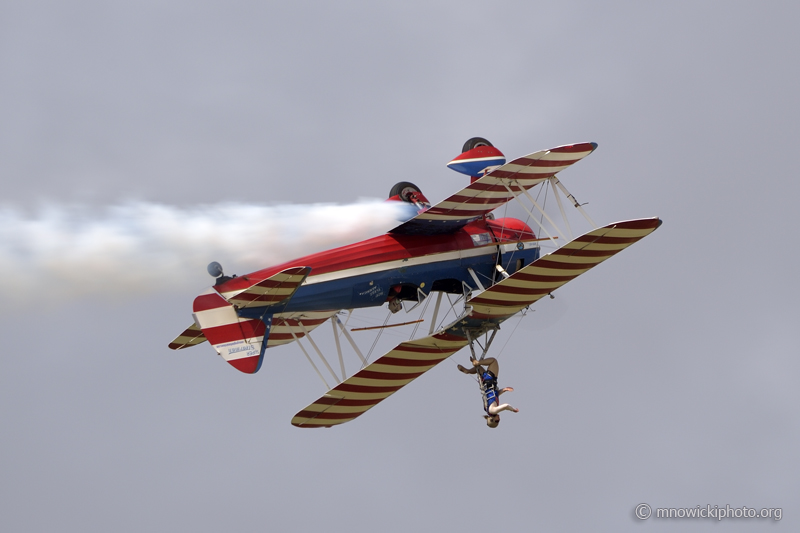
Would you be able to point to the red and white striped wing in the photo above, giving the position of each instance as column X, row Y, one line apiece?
column 552, row 271
column 489, row 192
column 368, row 387
column 272, row 291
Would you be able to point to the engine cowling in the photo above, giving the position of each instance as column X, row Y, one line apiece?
column 511, row 229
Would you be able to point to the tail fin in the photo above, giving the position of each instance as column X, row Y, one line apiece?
column 241, row 341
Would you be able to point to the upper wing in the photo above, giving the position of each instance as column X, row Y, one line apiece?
column 489, row 192
column 368, row 387
column 551, row 271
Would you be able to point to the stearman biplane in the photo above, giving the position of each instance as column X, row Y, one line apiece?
column 494, row 268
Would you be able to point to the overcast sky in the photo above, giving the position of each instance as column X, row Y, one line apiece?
column 667, row 375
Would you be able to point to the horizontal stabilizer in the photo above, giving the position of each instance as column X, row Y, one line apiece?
column 192, row 336
column 371, row 385
column 286, row 327
column 551, row 271
column 274, row 290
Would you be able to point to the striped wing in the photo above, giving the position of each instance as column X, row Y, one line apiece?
column 368, row 387
column 192, row 336
column 274, row 290
column 489, row 192
column 552, row 271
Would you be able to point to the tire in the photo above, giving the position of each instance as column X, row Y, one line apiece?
column 474, row 143
column 402, row 189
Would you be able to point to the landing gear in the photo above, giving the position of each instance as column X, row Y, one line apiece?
column 405, row 190
column 474, row 143
column 410, row 193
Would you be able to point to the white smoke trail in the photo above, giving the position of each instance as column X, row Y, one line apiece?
column 143, row 247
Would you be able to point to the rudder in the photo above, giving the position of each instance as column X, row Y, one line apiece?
column 240, row 341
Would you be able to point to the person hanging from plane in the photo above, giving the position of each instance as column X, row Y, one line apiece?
column 491, row 396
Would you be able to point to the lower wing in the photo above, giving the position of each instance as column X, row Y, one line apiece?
column 376, row 382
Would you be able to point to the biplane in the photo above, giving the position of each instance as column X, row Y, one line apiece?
column 494, row 267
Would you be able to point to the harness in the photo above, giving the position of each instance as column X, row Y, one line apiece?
column 489, row 390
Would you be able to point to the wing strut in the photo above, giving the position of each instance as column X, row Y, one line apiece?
column 350, row 339
column 561, row 208
column 474, row 340
column 309, row 359
column 516, row 197
column 338, row 348
column 466, row 290
column 435, row 312
column 319, row 353
column 574, row 201
column 475, row 278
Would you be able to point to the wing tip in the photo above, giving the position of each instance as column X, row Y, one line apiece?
column 305, row 422
column 576, row 148
column 191, row 336
column 652, row 223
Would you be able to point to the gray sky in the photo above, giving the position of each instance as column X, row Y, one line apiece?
column 667, row 375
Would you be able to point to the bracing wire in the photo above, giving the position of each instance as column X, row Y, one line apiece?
column 424, row 309
column 450, row 310
column 377, row 337
column 521, row 316
column 527, row 218
column 544, row 204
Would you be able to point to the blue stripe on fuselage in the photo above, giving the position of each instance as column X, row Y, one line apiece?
column 372, row 289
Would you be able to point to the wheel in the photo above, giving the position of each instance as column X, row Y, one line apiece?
column 403, row 189
column 474, row 143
